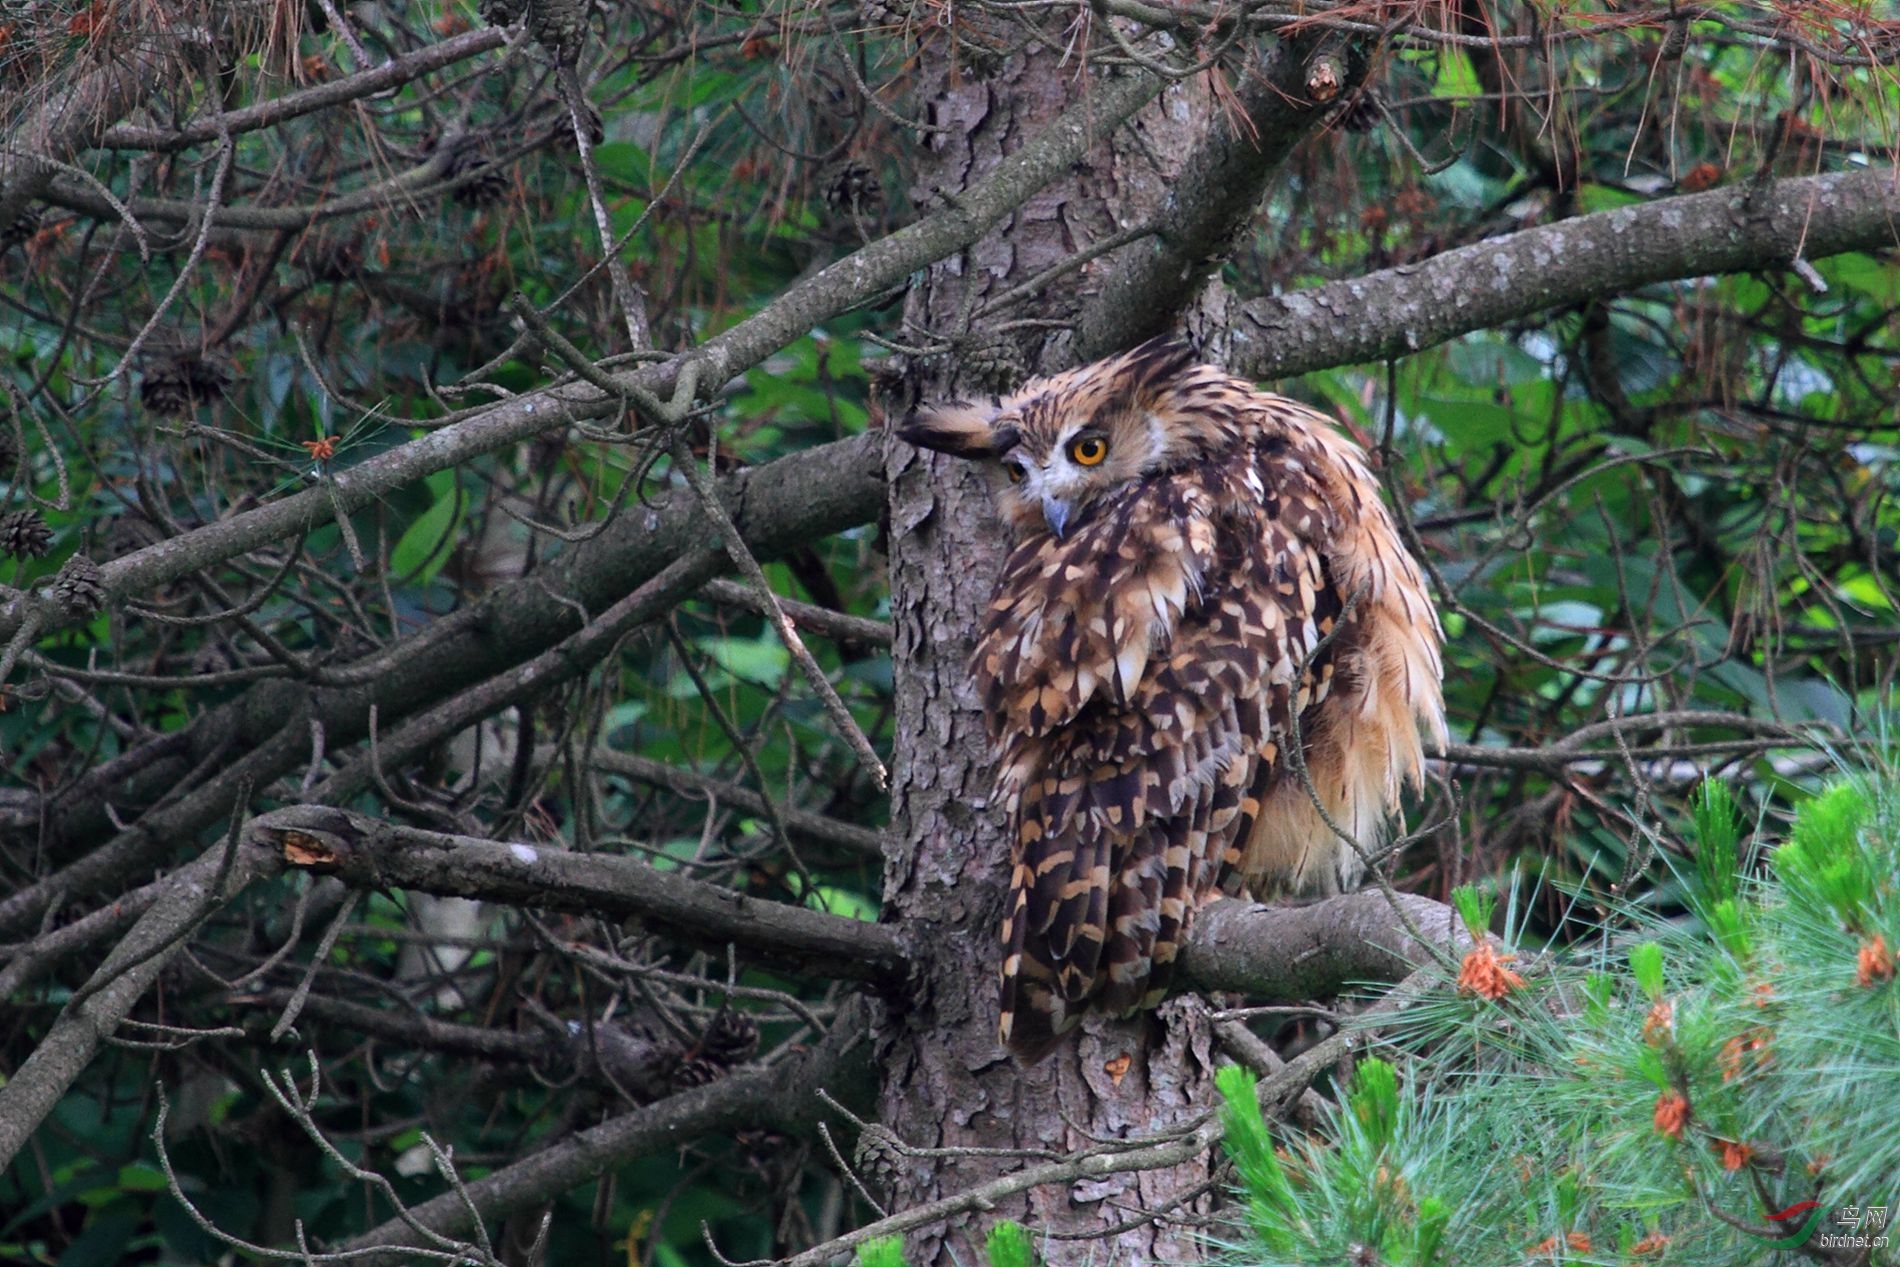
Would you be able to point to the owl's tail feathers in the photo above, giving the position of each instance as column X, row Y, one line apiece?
column 1054, row 925
column 1074, row 943
column 1035, row 1015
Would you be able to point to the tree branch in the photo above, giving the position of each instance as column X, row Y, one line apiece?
column 799, row 822
column 784, row 504
column 566, row 660
column 837, row 288
column 191, row 894
column 272, row 111
column 365, row 852
column 1281, row 98
column 838, row 626
column 1415, row 306
column 1277, row 954
column 782, row 1097
column 74, row 120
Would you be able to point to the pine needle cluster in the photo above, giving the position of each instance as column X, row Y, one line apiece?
column 1657, row 1099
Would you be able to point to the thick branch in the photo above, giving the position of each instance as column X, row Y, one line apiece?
column 370, row 853
column 860, row 276
column 1219, row 186
column 192, row 893
column 1402, row 310
column 1276, row 954
column 789, row 502
column 783, row 1097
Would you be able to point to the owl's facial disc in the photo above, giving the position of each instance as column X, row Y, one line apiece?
column 1061, row 481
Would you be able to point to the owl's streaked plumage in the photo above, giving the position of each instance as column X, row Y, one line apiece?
column 1185, row 544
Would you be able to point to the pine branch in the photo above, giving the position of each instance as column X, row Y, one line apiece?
column 1415, row 306
column 191, row 894
column 785, row 1097
column 778, row 507
column 369, row 853
column 1283, row 95
column 1289, row 953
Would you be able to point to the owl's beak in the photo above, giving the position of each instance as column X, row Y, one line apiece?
column 1056, row 511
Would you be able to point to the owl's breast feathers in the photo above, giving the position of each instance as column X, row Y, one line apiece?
column 1142, row 678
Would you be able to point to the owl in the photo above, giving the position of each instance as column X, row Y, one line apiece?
column 1210, row 666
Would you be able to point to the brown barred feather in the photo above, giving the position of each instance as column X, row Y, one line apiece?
column 1161, row 623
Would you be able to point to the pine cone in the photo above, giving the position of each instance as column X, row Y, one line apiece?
column 1361, row 112
column 24, row 535
column 24, row 226
column 851, row 188
column 731, row 1038
column 486, row 183
column 992, row 366
column 560, row 26
column 80, row 587
column 695, row 1071
column 176, row 384
column 878, row 1160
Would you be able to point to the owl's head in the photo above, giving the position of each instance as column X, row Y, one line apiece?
column 1060, row 443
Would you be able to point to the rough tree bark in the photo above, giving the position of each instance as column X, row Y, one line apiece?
column 946, row 1081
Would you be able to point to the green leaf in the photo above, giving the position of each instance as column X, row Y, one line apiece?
column 1457, row 77
column 622, row 161
column 845, row 902
column 422, row 550
column 139, row 1177
column 762, row 660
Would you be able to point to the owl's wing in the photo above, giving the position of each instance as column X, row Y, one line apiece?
column 1127, row 812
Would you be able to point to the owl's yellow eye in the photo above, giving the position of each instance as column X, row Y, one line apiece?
column 1014, row 471
column 1088, row 450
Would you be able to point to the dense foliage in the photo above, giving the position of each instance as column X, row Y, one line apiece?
column 1661, row 522
column 1654, row 1100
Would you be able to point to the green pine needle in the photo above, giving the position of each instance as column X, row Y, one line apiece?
column 1614, row 1116
column 882, row 1251
column 1375, row 1101
column 1646, row 965
column 1717, row 834
column 1475, row 907
column 1008, row 1245
column 1822, row 863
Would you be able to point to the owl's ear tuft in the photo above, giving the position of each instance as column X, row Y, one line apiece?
column 1151, row 368
column 961, row 430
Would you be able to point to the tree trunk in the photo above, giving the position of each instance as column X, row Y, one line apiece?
column 947, row 1083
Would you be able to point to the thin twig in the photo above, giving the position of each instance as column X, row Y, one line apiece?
column 749, row 567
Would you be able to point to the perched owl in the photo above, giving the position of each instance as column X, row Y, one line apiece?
column 1199, row 566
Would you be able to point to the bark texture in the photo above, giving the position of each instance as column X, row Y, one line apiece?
column 946, row 1081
